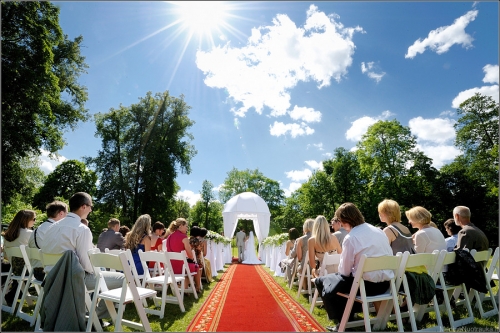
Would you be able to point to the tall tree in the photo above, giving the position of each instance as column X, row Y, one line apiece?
column 198, row 213
column 346, row 176
column 477, row 136
column 144, row 145
column 69, row 177
column 40, row 93
column 207, row 196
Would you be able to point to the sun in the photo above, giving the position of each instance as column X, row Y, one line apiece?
column 201, row 17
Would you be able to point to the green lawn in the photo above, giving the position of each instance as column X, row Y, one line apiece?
column 176, row 321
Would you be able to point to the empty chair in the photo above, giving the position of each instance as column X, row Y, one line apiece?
column 11, row 253
column 164, row 280
column 482, row 257
column 328, row 259
column 494, row 270
column 128, row 293
column 391, row 296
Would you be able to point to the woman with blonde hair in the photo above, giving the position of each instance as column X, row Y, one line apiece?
column 179, row 241
column 427, row 238
column 321, row 242
column 399, row 236
column 138, row 238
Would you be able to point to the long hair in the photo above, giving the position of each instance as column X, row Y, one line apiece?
column 321, row 232
column 140, row 228
column 19, row 222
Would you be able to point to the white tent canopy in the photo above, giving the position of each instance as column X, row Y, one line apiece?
column 247, row 206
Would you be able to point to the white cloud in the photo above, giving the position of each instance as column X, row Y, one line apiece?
column 298, row 176
column 447, row 113
column 279, row 128
column 360, row 126
column 316, row 145
column 440, row 154
column 291, row 188
column 315, row 165
column 278, row 56
column 308, row 115
column 490, row 74
column 369, row 69
column 189, row 196
column 328, row 155
column 48, row 164
column 441, row 39
column 485, row 90
column 437, row 130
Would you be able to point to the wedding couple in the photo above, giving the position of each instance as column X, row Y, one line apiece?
column 246, row 248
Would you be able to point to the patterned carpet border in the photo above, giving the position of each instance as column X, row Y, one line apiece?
column 207, row 318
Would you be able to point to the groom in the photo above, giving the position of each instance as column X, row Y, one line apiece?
column 240, row 243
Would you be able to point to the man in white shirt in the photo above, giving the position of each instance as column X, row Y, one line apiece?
column 56, row 210
column 70, row 234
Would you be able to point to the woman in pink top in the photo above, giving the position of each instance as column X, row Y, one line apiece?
column 179, row 241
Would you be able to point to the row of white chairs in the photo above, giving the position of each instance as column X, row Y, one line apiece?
column 434, row 263
column 136, row 288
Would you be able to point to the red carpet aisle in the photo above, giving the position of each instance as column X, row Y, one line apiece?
column 248, row 299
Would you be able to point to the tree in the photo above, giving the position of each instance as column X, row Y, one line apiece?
column 215, row 221
column 207, row 196
column 143, row 146
column 40, row 93
column 477, row 136
column 69, row 177
column 346, row 176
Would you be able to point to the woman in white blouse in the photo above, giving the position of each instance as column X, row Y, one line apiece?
column 427, row 238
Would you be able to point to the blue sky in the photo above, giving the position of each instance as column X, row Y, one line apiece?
column 277, row 86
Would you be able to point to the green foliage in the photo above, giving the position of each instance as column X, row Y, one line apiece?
column 69, row 177
column 40, row 68
column 198, row 214
column 17, row 203
column 143, row 146
column 207, row 195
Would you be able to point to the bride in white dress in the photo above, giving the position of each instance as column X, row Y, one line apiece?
column 250, row 253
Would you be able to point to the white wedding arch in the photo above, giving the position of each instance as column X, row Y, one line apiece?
column 247, row 206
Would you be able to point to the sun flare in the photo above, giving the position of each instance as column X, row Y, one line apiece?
column 201, row 17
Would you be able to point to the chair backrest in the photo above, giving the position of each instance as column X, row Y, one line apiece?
column 329, row 259
column 449, row 258
column 24, row 251
column 115, row 251
column 432, row 262
column 151, row 256
column 13, row 252
column 494, row 268
column 50, row 259
column 182, row 257
column 481, row 256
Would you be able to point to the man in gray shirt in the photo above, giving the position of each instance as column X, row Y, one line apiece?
column 340, row 232
column 111, row 238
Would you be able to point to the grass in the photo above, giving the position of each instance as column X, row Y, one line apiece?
column 177, row 321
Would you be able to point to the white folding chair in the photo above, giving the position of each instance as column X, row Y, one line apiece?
column 389, row 298
column 294, row 274
column 482, row 258
column 186, row 273
column 128, row 293
column 11, row 253
column 433, row 263
column 28, row 255
column 448, row 290
column 50, row 259
column 165, row 280
column 328, row 259
column 494, row 270
column 305, row 275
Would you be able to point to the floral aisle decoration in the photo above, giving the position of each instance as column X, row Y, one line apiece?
column 276, row 240
column 217, row 238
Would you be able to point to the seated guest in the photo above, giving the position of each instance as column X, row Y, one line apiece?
column 124, row 230
column 156, row 240
column 427, row 238
column 452, row 230
column 111, row 238
column 470, row 237
column 399, row 235
column 302, row 245
column 18, row 233
column 71, row 234
column 338, row 230
column 321, row 242
column 362, row 238
column 139, row 239
column 293, row 234
column 177, row 242
column 207, row 268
